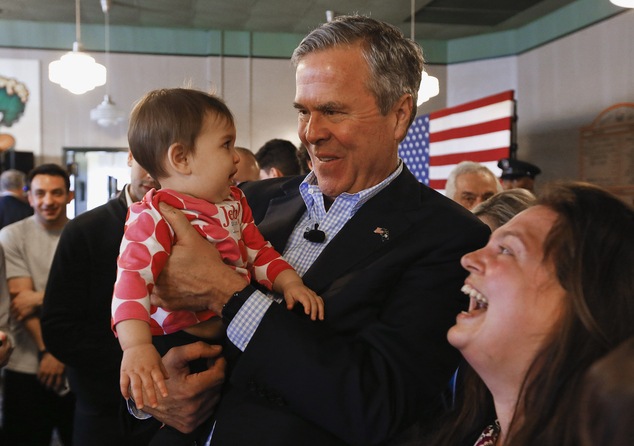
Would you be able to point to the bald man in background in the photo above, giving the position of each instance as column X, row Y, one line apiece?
column 248, row 167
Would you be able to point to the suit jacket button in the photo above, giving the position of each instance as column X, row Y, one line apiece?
column 280, row 401
column 252, row 387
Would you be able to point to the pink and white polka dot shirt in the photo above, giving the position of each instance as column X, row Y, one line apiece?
column 148, row 241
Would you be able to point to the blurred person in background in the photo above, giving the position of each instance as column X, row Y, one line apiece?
column 305, row 164
column 248, row 167
column 518, row 174
column 13, row 204
column 278, row 158
column 36, row 397
column 503, row 206
column 470, row 183
column 607, row 402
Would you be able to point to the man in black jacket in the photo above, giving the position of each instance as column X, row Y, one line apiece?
column 380, row 248
column 13, row 204
column 76, row 312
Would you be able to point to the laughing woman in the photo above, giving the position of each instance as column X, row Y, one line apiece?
column 551, row 292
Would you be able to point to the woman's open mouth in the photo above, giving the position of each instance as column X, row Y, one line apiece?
column 477, row 301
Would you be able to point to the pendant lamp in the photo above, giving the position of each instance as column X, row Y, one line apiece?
column 107, row 113
column 623, row 3
column 76, row 71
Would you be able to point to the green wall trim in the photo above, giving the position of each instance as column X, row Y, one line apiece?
column 60, row 36
column 562, row 22
column 236, row 43
column 275, row 44
column 193, row 42
column 434, row 51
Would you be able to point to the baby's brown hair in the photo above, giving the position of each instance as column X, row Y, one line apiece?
column 164, row 117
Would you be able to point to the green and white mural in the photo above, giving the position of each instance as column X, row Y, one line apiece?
column 20, row 105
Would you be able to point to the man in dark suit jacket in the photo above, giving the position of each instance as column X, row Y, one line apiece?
column 381, row 249
column 76, row 312
column 13, row 204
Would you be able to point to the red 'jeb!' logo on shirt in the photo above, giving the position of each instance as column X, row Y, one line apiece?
column 230, row 214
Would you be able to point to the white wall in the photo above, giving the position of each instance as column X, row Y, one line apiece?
column 564, row 85
column 469, row 81
column 260, row 93
column 273, row 114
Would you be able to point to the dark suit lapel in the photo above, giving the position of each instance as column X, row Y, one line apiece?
column 282, row 215
column 358, row 239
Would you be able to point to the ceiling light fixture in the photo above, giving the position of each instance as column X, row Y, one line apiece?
column 107, row 113
column 429, row 86
column 623, row 3
column 76, row 71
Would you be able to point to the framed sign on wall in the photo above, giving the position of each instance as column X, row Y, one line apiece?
column 606, row 151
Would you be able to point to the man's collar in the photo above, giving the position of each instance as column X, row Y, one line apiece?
column 128, row 197
column 52, row 228
column 310, row 186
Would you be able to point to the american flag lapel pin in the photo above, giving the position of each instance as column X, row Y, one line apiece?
column 384, row 233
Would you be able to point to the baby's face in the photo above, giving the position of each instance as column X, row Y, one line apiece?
column 215, row 160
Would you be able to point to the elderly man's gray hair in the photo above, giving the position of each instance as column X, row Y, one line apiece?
column 467, row 167
column 395, row 62
column 12, row 179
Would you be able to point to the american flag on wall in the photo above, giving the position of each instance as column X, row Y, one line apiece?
column 476, row 131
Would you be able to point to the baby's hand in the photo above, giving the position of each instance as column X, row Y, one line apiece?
column 298, row 292
column 141, row 368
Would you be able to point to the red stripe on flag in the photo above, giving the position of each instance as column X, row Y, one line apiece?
column 437, row 184
column 478, row 157
column 500, row 97
column 472, row 130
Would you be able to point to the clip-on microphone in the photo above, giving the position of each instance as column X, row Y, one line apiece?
column 315, row 235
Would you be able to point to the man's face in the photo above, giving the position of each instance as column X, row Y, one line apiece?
column 351, row 145
column 141, row 181
column 518, row 183
column 48, row 197
column 473, row 188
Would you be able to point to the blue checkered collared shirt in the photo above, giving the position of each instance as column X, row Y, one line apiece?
column 301, row 253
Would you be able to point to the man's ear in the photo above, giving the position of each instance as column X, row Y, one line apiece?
column 178, row 158
column 275, row 173
column 403, row 112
